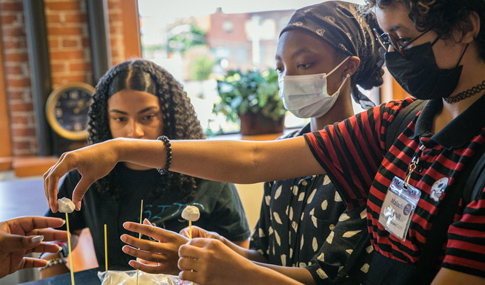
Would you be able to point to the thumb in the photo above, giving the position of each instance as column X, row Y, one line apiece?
column 17, row 242
column 81, row 189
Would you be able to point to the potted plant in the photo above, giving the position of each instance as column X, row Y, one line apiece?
column 252, row 97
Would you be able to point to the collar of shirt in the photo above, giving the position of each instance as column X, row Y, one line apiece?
column 459, row 131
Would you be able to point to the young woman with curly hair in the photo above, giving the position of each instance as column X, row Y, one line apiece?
column 434, row 49
column 138, row 99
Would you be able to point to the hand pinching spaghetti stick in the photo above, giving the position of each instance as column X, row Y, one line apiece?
column 67, row 206
column 191, row 214
column 106, row 252
column 139, row 235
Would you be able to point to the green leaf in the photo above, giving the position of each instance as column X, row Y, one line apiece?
column 251, row 90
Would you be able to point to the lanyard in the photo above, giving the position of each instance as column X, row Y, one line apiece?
column 413, row 164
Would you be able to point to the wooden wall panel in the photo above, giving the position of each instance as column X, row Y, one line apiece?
column 131, row 28
column 5, row 139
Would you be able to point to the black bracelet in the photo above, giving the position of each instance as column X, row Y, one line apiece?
column 168, row 145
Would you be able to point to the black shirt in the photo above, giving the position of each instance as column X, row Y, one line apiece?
column 219, row 204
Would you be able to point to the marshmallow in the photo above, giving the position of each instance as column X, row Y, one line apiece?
column 65, row 205
column 191, row 213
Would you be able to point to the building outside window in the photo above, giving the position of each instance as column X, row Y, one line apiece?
column 199, row 41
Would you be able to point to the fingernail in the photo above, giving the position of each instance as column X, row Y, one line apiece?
column 63, row 222
column 78, row 206
column 37, row 239
column 58, row 248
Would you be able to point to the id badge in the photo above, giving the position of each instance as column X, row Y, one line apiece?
column 398, row 208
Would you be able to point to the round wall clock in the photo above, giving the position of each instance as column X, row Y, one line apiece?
column 67, row 110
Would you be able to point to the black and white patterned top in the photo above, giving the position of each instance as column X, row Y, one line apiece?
column 298, row 216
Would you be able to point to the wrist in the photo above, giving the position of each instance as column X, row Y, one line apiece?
column 117, row 145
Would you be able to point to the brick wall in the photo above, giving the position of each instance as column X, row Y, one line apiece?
column 69, row 47
column 116, row 32
column 69, row 44
column 17, row 78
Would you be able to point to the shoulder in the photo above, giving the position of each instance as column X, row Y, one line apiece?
column 389, row 110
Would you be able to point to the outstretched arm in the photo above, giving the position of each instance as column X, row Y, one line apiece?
column 297, row 273
column 160, row 255
column 227, row 161
column 209, row 261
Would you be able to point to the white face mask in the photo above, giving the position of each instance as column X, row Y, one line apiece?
column 306, row 96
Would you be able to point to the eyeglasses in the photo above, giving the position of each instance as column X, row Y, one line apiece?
column 388, row 40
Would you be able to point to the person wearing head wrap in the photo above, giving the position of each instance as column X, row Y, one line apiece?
column 304, row 230
column 341, row 26
column 323, row 53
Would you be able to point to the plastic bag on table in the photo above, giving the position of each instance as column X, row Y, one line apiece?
column 129, row 278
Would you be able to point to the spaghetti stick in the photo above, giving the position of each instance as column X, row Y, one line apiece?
column 191, row 213
column 190, row 229
column 190, row 237
column 70, row 251
column 106, row 252
column 139, row 235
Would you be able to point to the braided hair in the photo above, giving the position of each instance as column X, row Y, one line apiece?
column 179, row 117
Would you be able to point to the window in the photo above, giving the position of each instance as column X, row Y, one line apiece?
column 214, row 37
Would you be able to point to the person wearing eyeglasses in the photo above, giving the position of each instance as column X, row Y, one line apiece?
column 405, row 188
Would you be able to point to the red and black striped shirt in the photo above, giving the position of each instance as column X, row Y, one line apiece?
column 353, row 153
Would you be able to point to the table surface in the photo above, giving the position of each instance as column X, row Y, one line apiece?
column 22, row 198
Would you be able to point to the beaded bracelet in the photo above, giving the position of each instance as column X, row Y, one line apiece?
column 53, row 262
column 168, row 145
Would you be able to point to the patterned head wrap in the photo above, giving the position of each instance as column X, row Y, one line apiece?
column 340, row 24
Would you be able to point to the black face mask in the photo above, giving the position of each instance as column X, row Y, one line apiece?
column 418, row 74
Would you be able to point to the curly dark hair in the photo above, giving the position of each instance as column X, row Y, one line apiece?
column 373, row 77
column 179, row 118
column 441, row 16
